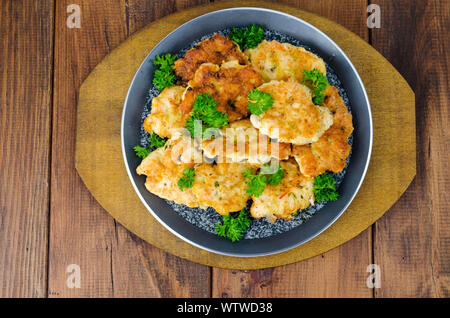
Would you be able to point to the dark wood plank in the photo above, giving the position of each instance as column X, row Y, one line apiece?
column 113, row 262
column 141, row 12
column 141, row 270
column 164, row 274
column 80, row 231
column 26, row 49
column 338, row 273
column 412, row 240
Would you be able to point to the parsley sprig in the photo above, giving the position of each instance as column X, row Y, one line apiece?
column 164, row 76
column 259, row 102
column 247, row 38
column 233, row 225
column 324, row 188
column 205, row 110
column 272, row 178
column 317, row 82
column 165, row 62
column 187, row 180
column 141, row 152
column 256, row 182
column 157, row 141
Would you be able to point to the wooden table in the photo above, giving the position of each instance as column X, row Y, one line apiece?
column 49, row 220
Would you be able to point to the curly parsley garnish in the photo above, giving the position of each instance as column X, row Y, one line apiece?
column 317, row 82
column 156, row 141
column 187, row 180
column 259, row 102
column 324, row 188
column 272, row 178
column 205, row 110
column 233, row 226
column 256, row 182
column 165, row 62
column 164, row 76
column 247, row 38
column 141, row 152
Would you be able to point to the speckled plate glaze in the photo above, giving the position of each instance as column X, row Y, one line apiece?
column 196, row 226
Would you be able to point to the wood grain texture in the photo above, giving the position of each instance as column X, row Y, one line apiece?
column 98, row 138
column 80, row 233
column 113, row 262
column 148, row 271
column 26, row 46
column 412, row 241
column 338, row 273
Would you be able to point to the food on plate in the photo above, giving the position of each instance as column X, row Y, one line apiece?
column 163, row 175
column 164, row 76
column 248, row 37
column 231, row 130
column 280, row 61
column 216, row 50
column 293, row 117
column 331, row 150
column 205, row 116
column 232, row 226
column 284, row 200
column 155, row 142
column 259, row 101
column 317, row 82
column 221, row 186
column 241, row 142
column 166, row 116
column 229, row 85
column 268, row 174
column 325, row 188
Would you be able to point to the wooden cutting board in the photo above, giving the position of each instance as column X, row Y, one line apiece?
column 100, row 163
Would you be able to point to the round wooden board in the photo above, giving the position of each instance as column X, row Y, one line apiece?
column 100, row 163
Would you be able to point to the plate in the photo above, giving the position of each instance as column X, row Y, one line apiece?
column 309, row 36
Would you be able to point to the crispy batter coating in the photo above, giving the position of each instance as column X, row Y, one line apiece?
column 294, row 193
column 216, row 50
column 221, row 186
column 166, row 117
column 280, row 61
column 228, row 84
column 293, row 114
column 241, row 142
column 319, row 134
column 162, row 176
column 332, row 149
